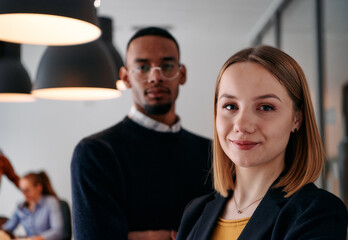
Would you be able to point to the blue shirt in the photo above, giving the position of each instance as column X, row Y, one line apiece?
column 46, row 219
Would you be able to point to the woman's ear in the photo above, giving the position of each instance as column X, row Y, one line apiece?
column 182, row 80
column 124, row 76
column 39, row 187
column 297, row 120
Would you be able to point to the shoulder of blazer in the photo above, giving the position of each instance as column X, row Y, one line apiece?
column 310, row 196
column 312, row 208
column 192, row 213
column 195, row 208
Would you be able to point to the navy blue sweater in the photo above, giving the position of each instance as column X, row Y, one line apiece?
column 130, row 178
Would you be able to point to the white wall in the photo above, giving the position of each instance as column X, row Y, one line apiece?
column 43, row 134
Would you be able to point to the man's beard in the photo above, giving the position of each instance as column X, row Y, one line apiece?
column 158, row 109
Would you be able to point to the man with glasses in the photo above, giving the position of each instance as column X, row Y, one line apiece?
column 133, row 180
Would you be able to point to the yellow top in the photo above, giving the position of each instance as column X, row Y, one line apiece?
column 229, row 229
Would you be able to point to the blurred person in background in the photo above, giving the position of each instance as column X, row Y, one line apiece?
column 7, row 169
column 40, row 214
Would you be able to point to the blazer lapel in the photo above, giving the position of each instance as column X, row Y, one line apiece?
column 261, row 222
column 208, row 218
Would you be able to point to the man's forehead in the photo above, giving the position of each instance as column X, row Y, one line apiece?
column 152, row 48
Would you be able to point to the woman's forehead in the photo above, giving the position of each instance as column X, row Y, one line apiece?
column 249, row 78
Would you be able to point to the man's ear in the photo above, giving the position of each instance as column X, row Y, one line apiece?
column 124, row 76
column 182, row 80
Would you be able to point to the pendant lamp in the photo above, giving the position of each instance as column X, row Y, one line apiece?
column 48, row 22
column 15, row 84
column 107, row 36
column 106, row 26
column 79, row 72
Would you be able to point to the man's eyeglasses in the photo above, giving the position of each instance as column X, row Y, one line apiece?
column 167, row 70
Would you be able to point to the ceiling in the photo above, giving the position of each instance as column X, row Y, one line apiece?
column 205, row 18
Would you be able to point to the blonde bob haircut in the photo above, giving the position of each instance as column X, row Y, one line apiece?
column 304, row 156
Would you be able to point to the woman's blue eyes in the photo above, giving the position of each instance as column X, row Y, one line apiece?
column 265, row 107
column 230, row 107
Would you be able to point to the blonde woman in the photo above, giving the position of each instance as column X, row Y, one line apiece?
column 267, row 156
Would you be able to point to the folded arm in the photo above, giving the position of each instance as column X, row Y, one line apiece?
column 98, row 190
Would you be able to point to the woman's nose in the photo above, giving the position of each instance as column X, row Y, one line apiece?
column 244, row 121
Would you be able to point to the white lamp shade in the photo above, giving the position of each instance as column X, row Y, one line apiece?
column 48, row 22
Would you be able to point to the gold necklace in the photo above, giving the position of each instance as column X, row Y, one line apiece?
column 239, row 211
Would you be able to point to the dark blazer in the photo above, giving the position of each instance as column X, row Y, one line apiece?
column 311, row 213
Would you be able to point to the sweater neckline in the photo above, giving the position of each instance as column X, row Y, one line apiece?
column 129, row 122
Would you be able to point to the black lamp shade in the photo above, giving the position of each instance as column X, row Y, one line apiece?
column 105, row 24
column 15, row 84
column 87, row 67
column 13, row 77
column 48, row 22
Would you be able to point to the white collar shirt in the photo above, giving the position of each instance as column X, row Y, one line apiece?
column 152, row 124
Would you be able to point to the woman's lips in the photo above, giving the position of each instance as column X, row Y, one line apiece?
column 244, row 145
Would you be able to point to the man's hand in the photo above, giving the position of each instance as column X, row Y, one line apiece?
column 152, row 235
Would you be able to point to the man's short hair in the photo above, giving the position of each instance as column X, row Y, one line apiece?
column 153, row 31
